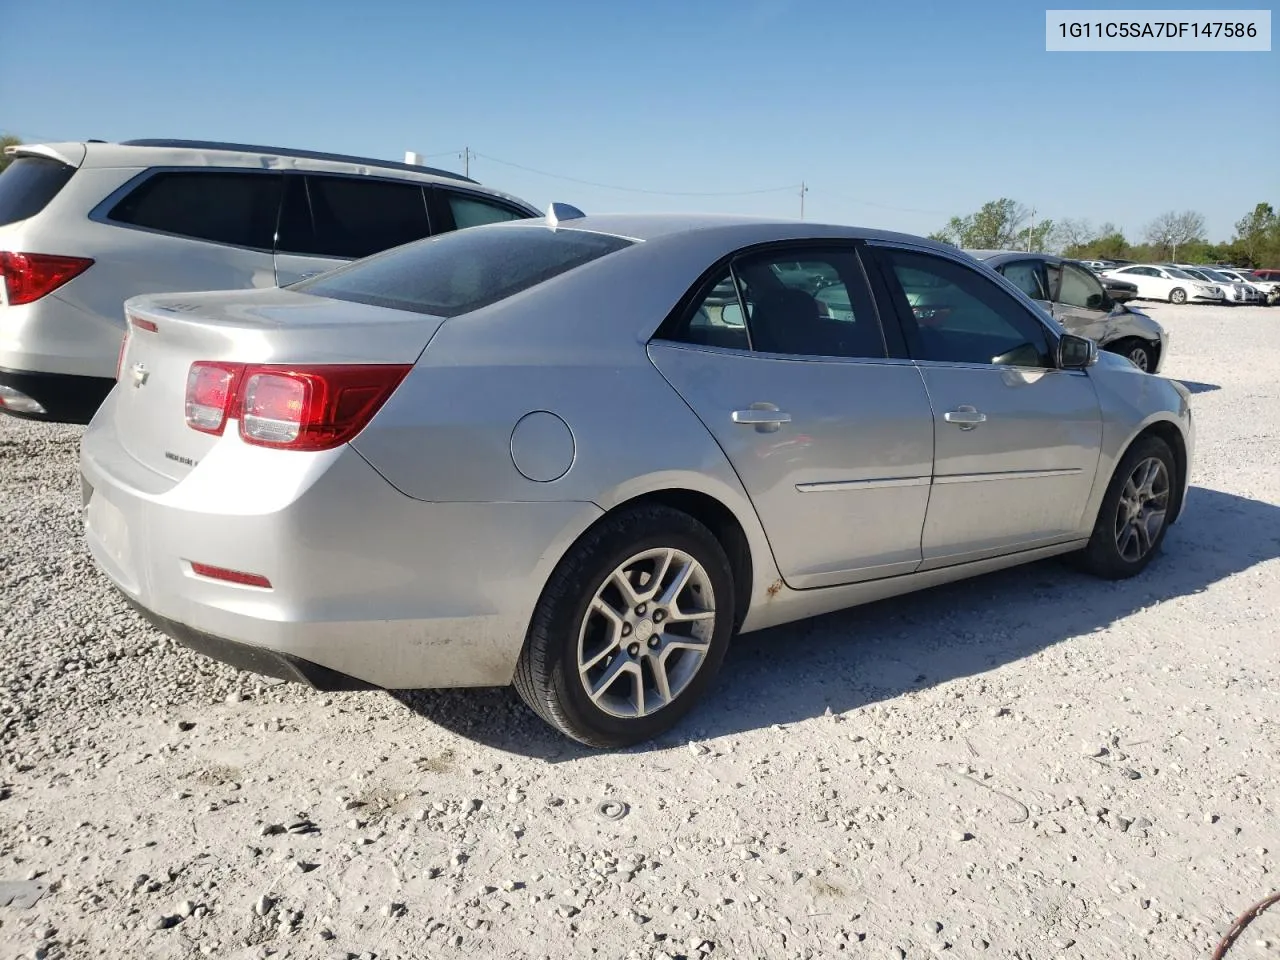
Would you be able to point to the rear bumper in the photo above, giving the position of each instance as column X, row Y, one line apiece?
column 243, row 656
column 63, row 398
column 367, row 584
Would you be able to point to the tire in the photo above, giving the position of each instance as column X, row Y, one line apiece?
column 1177, row 295
column 1110, row 553
column 1139, row 352
column 568, row 629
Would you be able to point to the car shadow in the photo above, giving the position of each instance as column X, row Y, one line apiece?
column 1196, row 387
column 879, row 651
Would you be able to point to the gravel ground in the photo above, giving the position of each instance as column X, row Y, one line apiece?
column 1029, row 765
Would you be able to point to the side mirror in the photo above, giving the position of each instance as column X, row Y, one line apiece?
column 1076, row 353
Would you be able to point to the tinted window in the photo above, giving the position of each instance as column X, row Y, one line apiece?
column 28, row 184
column 814, row 304
column 961, row 316
column 351, row 217
column 464, row 270
column 471, row 211
column 1025, row 275
column 234, row 208
column 1080, row 288
column 717, row 321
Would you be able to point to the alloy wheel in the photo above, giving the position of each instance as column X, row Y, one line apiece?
column 1139, row 358
column 1144, row 504
column 646, row 633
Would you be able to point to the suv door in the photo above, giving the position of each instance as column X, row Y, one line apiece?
column 327, row 220
column 1016, row 439
column 831, row 437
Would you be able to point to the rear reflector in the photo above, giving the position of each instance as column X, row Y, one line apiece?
column 30, row 276
column 211, row 390
column 230, row 576
column 294, row 408
column 18, row 402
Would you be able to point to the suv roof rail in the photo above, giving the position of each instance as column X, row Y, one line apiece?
column 301, row 154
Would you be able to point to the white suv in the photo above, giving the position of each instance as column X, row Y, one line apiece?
column 84, row 226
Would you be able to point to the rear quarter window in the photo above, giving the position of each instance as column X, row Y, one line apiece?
column 220, row 206
column 462, row 271
column 28, row 184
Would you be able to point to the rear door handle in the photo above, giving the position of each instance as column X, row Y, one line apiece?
column 765, row 417
column 965, row 417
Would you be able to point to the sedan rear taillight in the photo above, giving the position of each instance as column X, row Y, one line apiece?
column 293, row 408
column 30, row 276
column 211, row 391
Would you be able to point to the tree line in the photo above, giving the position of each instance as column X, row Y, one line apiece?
column 1005, row 224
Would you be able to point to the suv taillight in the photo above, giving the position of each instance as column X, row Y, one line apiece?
column 289, row 407
column 30, row 276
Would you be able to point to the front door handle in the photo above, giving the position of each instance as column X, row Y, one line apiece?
column 765, row 417
column 965, row 417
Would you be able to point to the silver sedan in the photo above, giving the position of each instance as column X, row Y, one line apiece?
column 580, row 454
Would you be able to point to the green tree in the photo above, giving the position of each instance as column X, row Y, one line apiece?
column 1000, row 225
column 7, row 140
column 1256, row 234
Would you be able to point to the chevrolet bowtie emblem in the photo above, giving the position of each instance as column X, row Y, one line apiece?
column 140, row 374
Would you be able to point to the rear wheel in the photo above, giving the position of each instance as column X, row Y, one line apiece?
column 630, row 629
column 1134, row 515
column 1177, row 295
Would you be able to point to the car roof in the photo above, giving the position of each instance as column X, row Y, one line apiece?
column 212, row 153
column 738, row 229
column 997, row 257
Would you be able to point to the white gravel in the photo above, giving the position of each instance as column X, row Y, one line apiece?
column 1031, row 765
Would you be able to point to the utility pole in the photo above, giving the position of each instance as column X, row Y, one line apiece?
column 803, row 190
column 466, row 155
column 1031, row 229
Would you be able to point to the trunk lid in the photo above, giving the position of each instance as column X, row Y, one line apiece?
column 168, row 333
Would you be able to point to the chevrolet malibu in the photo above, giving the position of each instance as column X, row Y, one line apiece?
column 579, row 454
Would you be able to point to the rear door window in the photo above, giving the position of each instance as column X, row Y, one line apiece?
column 463, row 270
column 351, row 217
column 237, row 208
column 28, row 184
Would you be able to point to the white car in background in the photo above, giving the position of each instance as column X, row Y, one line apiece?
column 1236, row 291
column 1255, row 293
column 1167, row 283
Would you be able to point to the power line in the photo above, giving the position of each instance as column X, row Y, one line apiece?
column 658, row 193
column 882, row 206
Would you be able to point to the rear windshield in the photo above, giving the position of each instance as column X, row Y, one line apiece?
column 27, row 186
column 464, row 270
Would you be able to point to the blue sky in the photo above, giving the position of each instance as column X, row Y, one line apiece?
column 896, row 115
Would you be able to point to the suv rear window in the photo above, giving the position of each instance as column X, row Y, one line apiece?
column 235, row 208
column 459, row 272
column 28, row 184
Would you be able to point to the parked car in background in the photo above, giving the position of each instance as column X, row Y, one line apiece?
column 83, row 226
column 430, row 468
column 1235, row 291
column 1077, row 299
column 1098, row 266
column 1268, row 281
column 1235, row 275
column 1157, row 282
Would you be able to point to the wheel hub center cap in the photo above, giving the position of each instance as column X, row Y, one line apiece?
column 644, row 630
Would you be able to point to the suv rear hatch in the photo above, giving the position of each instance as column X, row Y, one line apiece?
column 35, row 175
column 167, row 334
